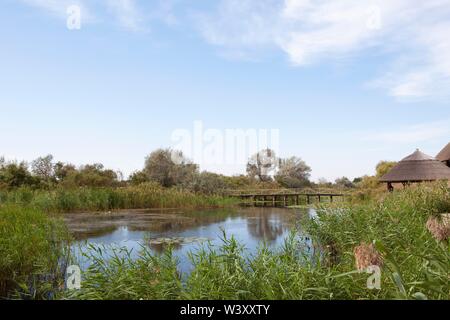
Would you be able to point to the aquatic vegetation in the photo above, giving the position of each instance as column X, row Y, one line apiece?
column 117, row 275
column 144, row 196
column 414, row 262
column 32, row 251
column 176, row 240
column 391, row 233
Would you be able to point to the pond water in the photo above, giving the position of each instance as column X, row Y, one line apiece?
column 184, row 230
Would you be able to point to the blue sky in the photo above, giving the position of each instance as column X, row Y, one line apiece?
column 346, row 84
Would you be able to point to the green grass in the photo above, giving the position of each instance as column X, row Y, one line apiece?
column 415, row 264
column 33, row 246
column 32, row 251
column 100, row 199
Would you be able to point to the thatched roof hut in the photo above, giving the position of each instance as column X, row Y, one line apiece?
column 444, row 155
column 417, row 167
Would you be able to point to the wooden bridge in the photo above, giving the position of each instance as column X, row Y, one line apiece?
column 284, row 197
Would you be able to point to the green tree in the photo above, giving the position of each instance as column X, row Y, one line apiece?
column 207, row 183
column 357, row 180
column 63, row 170
column 91, row 175
column 169, row 167
column 43, row 168
column 344, row 182
column 293, row 173
column 138, row 177
column 383, row 167
column 15, row 175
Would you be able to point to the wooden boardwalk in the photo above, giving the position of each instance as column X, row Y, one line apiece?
column 283, row 197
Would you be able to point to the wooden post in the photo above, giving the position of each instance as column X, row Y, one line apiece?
column 274, row 201
column 285, row 200
column 297, row 200
column 308, row 199
column 319, row 198
column 390, row 187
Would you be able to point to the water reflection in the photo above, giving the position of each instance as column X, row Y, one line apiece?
column 267, row 227
column 184, row 231
column 161, row 247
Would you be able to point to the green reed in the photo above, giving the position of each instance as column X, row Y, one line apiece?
column 415, row 264
column 102, row 199
column 33, row 251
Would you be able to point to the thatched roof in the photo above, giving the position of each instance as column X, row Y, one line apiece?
column 444, row 155
column 418, row 167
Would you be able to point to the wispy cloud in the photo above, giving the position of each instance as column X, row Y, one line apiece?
column 412, row 134
column 127, row 13
column 413, row 32
column 165, row 11
column 311, row 31
column 59, row 7
column 423, row 72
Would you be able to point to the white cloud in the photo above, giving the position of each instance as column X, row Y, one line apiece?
column 412, row 134
column 415, row 32
column 411, row 35
column 428, row 72
column 127, row 13
column 241, row 23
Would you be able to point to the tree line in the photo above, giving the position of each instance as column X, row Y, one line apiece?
column 170, row 168
column 44, row 173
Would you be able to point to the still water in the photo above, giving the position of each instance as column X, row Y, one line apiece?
column 184, row 230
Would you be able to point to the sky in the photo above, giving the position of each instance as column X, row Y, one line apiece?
column 341, row 84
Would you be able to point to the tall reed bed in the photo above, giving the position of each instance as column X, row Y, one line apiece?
column 414, row 264
column 101, row 199
column 32, row 253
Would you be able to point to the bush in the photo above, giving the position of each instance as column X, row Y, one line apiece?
column 207, row 183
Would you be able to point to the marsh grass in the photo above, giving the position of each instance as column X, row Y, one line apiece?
column 227, row 272
column 144, row 196
column 33, row 253
column 415, row 264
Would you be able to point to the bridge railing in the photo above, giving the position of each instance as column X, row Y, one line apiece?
column 285, row 191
